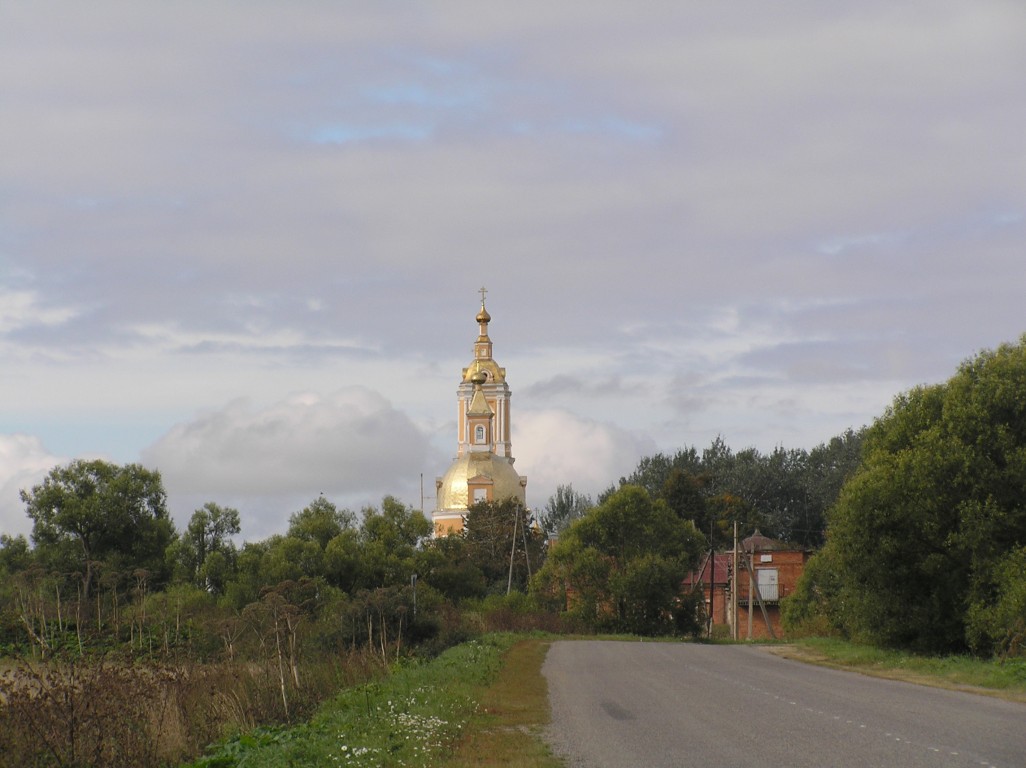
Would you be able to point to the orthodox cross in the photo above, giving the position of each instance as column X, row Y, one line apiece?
column 482, row 291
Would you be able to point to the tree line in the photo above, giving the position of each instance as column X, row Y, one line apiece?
column 107, row 567
column 919, row 521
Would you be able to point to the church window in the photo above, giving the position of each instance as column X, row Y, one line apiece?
column 479, row 434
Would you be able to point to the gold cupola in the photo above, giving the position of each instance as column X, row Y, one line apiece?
column 483, row 467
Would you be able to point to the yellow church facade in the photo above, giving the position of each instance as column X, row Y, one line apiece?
column 483, row 467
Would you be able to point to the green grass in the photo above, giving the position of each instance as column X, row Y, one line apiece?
column 507, row 729
column 1008, row 677
column 422, row 714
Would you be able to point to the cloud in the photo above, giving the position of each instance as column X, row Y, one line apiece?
column 22, row 309
column 730, row 219
column 24, row 462
column 352, row 444
column 571, row 386
column 562, row 448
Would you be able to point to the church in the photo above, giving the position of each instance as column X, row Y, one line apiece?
column 483, row 467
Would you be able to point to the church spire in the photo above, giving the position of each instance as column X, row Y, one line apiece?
column 493, row 387
column 483, row 346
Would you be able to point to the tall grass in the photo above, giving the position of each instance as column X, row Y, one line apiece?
column 114, row 713
column 411, row 718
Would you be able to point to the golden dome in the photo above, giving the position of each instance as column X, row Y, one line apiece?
column 485, row 469
column 492, row 371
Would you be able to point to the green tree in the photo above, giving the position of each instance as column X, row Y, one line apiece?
column 320, row 521
column 15, row 554
column 249, row 577
column 15, row 560
column 89, row 514
column 502, row 541
column 621, row 566
column 1001, row 623
column 343, row 560
column 920, row 532
column 389, row 539
column 830, row 465
column 445, row 564
column 653, row 472
column 288, row 558
column 205, row 555
column 563, row 507
column 784, row 493
column 684, row 492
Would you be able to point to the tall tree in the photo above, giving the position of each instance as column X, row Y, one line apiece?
column 563, row 507
column 92, row 513
column 503, row 542
column 320, row 521
column 784, row 493
column 684, row 493
column 389, row 539
column 830, row 465
column 205, row 554
column 921, row 536
column 621, row 566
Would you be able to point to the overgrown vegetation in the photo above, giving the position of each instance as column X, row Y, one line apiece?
column 92, row 711
column 413, row 717
column 926, row 547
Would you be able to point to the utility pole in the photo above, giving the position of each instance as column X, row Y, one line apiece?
column 523, row 532
column 712, row 578
column 513, row 549
column 758, row 596
column 734, row 633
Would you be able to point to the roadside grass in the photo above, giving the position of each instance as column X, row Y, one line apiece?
column 480, row 703
column 1006, row 679
column 508, row 728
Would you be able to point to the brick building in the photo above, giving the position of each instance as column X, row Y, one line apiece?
column 776, row 567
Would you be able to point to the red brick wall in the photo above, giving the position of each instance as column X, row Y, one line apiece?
column 789, row 565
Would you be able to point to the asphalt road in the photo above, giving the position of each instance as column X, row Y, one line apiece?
column 666, row 704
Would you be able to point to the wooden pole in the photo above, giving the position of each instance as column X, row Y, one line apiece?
column 758, row 596
column 734, row 634
column 712, row 579
column 512, row 551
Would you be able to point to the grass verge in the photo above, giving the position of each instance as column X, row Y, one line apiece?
column 1005, row 680
column 480, row 703
column 508, row 728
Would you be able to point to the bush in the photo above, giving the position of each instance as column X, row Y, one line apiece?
column 1001, row 623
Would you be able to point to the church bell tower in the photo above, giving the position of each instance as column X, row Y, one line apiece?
column 483, row 467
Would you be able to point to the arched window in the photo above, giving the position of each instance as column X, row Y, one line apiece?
column 479, row 434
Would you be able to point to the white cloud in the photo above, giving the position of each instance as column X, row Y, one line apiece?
column 351, row 444
column 24, row 462
column 21, row 309
column 560, row 448
column 694, row 220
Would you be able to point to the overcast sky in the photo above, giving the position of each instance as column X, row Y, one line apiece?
column 241, row 242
